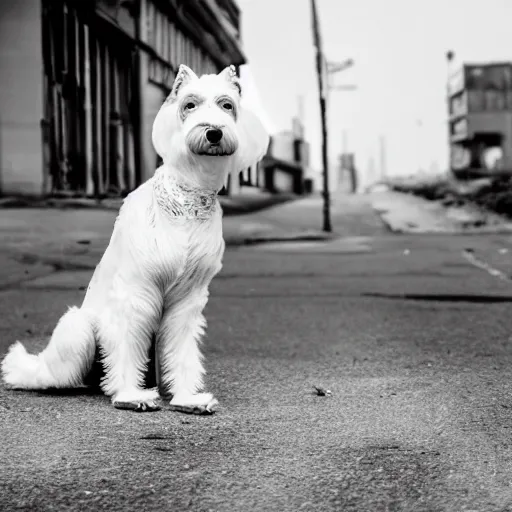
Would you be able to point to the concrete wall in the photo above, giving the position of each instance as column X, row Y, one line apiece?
column 21, row 97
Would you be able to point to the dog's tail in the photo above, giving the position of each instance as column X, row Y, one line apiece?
column 62, row 364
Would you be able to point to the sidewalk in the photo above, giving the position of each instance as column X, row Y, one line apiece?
column 406, row 213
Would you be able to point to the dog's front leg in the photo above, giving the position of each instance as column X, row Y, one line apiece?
column 125, row 340
column 178, row 339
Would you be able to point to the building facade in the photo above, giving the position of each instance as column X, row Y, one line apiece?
column 82, row 80
column 284, row 167
column 480, row 119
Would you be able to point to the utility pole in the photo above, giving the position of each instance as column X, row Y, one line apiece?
column 450, row 56
column 322, row 88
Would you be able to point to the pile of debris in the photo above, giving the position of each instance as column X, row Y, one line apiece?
column 492, row 193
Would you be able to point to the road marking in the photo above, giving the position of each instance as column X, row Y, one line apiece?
column 469, row 256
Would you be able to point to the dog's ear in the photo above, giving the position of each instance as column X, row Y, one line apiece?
column 253, row 136
column 164, row 124
column 229, row 74
column 163, row 129
column 183, row 77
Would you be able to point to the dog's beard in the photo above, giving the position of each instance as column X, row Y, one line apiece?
column 197, row 142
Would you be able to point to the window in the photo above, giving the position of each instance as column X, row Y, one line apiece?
column 179, row 48
column 196, row 54
column 162, row 50
column 173, row 43
column 156, row 31
column 460, row 128
column 188, row 52
column 458, row 104
column 150, row 31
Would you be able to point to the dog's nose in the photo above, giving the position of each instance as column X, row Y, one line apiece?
column 213, row 135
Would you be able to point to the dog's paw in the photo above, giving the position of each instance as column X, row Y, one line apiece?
column 18, row 368
column 141, row 400
column 202, row 403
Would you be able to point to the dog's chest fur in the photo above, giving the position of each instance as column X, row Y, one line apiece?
column 187, row 252
column 190, row 255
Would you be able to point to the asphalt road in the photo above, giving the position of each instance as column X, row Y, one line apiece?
column 412, row 339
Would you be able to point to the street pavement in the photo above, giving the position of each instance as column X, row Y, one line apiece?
column 412, row 336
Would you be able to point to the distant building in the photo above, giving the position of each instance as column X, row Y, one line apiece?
column 82, row 80
column 480, row 119
column 283, row 169
column 287, row 161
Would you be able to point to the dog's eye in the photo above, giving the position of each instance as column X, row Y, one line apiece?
column 190, row 106
column 227, row 106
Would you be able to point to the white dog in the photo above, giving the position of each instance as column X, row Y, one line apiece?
column 165, row 249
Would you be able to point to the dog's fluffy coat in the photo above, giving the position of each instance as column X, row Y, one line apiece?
column 154, row 276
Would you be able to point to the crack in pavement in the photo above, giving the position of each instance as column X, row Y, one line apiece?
column 477, row 299
column 58, row 263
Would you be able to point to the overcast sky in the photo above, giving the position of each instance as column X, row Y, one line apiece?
column 399, row 47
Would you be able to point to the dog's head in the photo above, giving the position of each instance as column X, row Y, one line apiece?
column 204, row 126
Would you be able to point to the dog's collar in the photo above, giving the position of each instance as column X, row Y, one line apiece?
column 181, row 201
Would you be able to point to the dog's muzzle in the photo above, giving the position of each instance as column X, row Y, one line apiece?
column 211, row 140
